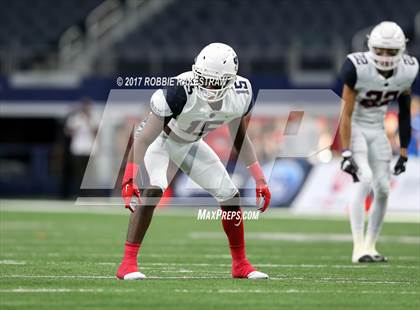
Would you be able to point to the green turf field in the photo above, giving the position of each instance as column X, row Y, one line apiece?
column 68, row 260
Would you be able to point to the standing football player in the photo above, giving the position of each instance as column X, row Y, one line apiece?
column 180, row 117
column 372, row 80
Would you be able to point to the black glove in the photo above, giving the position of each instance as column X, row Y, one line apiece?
column 400, row 165
column 349, row 165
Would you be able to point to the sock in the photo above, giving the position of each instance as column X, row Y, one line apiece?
column 376, row 218
column 357, row 214
column 235, row 236
column 129, row 262
column 130, row 252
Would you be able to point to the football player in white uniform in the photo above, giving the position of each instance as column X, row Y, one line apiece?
column 211, row 95
column 372, row 80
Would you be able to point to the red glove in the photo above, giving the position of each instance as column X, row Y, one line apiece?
column 129, row 188
column 262, row 191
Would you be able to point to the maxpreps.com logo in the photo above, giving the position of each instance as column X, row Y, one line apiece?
column 219, row 214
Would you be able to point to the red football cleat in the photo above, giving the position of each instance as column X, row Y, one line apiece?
column 243, row 269
column 128, row 271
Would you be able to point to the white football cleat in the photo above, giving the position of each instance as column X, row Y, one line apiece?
column 376, row 256
column 364, row 258
column 360, row 255
column 133, row 276
column 255, row 275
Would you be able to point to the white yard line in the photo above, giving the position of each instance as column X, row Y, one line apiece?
column 56, row 277
column 219, row 277
column 338, row 266
column 302, row 237
column 170, row 266
column 11, row 262
column 188, row 291
column 151, row 255
column 343, row 280
column 287, row 291
column 173, row 266
column 64, row 290
column 84, row 277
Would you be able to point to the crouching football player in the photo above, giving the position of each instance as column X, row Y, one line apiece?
column 179, row 118
column 372, row 80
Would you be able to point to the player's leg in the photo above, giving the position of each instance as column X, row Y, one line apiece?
column 359, row 191
column 138, row 225
column 141, row 218
column 156, row 161
column 234, row 229
column 205, row 168
column 379, row 158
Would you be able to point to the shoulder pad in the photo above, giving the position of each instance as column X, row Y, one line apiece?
column 358, row 59
column 243, row 85
column 411, row 64
column 158, row 104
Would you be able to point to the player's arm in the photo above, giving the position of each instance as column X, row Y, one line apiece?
column 161, row 113
column 347, row 107
column 244, row 147
column 349, row 94
column 404, row 121
column 145, row 134
column 242, row 141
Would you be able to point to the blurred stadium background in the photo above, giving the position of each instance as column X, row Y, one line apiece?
column 59, row 58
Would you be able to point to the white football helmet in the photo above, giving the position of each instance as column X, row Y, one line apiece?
column 215, row 71
column 386, row 35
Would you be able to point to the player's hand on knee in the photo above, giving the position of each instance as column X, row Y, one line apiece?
column 400, row 165
column 349, row 165
column 131, row 195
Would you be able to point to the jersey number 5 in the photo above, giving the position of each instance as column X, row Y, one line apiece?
column 241, row 87
column 376, row 98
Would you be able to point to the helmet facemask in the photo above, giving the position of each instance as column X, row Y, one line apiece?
column 385, row 62
column 212, row 86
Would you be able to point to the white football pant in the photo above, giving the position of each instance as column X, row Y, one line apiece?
column 372, row 153
column 196, row 159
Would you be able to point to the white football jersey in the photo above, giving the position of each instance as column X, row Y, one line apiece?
column 192, row 117
column 374, row 91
